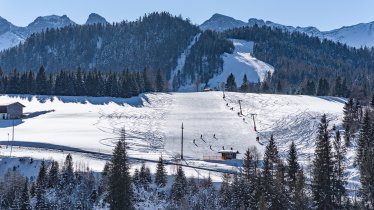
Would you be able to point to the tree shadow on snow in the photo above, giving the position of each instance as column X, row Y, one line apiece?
column 135, row 101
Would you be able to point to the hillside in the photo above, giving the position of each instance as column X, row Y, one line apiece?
column 154, row 41
column 153, row 124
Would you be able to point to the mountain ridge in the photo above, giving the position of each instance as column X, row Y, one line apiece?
column 358, row 35
column 12, row 35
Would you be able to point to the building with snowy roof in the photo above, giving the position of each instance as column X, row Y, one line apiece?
column 11, row 111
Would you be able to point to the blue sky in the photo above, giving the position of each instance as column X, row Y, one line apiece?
column 324, row 14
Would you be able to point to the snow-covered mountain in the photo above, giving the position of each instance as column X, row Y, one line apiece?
column 11, row 35
column 356, row 35
column 220, row 22
column 52, row 21
column 94, row 18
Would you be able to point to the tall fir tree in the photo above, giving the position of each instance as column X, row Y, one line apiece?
column 230, row 83
column 322, row 169
column 120, row 188
column 25, row 197
column 293, row 167
column 179, row 185
column 339, row 180
column 161, row 174
column 365, row 161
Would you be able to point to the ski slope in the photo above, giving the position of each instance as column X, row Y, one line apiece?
column 241, row 62
column 153, row 125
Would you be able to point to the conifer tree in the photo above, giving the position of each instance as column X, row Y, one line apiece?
column 41, row 81
column 120, row 189
column 68, row 172
column 143, row 176
column 25, row 197
column 245, row 85
column 230, row 83
column 365, row 161
column 300, row 199
column 248, row 164
column 225, row 191
column 322, row 172
column 159, row 82
column 339, row 167
column 160, row 177
column 348, row 121
column 179, row 185
column 293, row 167
column 42, row 180
column 271, row 178
column 53, row 175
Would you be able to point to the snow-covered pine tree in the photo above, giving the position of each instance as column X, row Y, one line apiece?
column 339, row 167
column 160, row 176
column 348, row 121
column 365, row 160
column 322, row 171
column 120, row 188
column 143, row 176
column 225, row 193
column 179, row 185
column 25, row 197
column 41, row 185
column 42, row 179
column 293, row 168
column 53, row 175
column 248, row 164
column 67, row 172
column 300, row 201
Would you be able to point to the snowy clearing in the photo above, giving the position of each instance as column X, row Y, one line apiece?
column 153, row 125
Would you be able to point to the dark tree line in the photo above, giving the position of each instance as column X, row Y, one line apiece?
column 83, row 83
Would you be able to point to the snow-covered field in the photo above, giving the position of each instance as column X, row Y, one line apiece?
column 153, row 125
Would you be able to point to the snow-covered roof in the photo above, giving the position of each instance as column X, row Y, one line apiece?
column 8, row 104
column 228, row 151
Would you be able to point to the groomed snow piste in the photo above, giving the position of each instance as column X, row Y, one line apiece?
column 153, row 124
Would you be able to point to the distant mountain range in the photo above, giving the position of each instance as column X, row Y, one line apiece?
column 11, row 35
column 359, row 35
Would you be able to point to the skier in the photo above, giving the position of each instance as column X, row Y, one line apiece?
column 201, row 136
column 210, row 146
column 194, row 142
column 214, row 136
